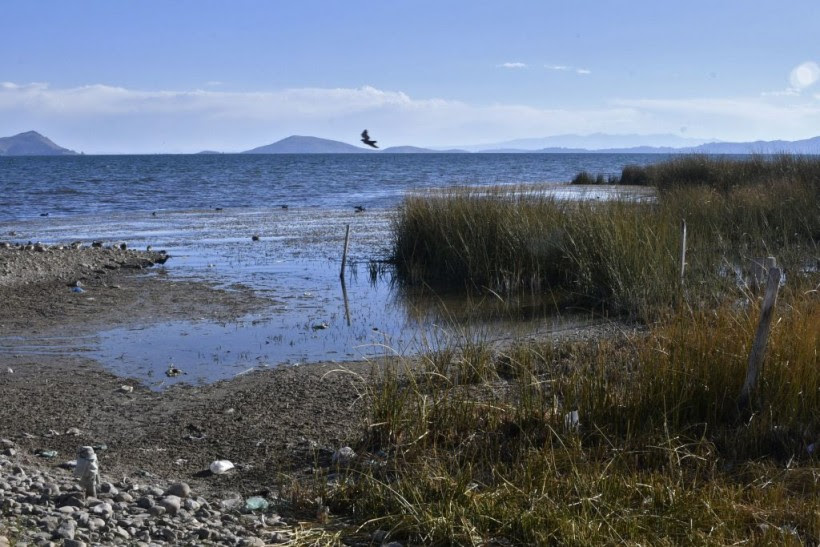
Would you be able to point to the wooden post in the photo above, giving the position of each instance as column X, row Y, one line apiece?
column 759, row 271
column 344, row 253
column 347, row 305
column 762, row 336
column 682, row 249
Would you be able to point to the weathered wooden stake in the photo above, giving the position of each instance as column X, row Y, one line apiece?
column 762, row 336
column 759, row 271
column 344, row 253
column 682, row 249
column 347, row 305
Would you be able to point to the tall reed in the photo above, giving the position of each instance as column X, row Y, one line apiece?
column 622, row 255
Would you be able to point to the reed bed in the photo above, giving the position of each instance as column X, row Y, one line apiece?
column 631, row 439
column 620, row 255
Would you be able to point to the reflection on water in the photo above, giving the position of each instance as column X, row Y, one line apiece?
column 295, row 263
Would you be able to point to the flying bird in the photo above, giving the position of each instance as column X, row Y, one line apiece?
column 367, row 141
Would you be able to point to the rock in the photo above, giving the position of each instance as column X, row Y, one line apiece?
column 72, row 431
column 179, row 489
column 73, row 499
column 146, row 502
column 71, row 543
column 171, row 504
column 155, row 491
column 104, row 510
column 66, row 530
column 125, row 389
column 156, row 511
column 124, row 497
column 343, row 456
column 251, row 542
column 108, row 488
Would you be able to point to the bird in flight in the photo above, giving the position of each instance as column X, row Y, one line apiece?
column 366, row 139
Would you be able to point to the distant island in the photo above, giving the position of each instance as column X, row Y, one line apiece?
column 31, row 143
column 297, row 144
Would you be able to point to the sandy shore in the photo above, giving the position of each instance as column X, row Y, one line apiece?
column 266, row 422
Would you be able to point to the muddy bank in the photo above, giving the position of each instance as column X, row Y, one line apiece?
column 277, row 420
column 81, row 289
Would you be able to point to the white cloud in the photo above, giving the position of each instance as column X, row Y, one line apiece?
column 512, row 65
column 108, row 119
column 565, row 68
column 804, row 75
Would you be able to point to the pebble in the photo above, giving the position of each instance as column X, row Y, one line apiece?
column 343, row 456
column 45, row 506
column 179, row 489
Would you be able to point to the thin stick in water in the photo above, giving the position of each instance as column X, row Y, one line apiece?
column 344, row 253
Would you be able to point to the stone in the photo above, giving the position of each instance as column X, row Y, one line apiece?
column 156, row 511
column 171, row 504
column 104, row 510
column 73, row 543
column 146, row 502
column 179, row 489
column 251, row 542
column 73, row 499
column 124, row 497
column 66, row 530
column 343, row 456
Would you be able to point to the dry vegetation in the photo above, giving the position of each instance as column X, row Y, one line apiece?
column 475, row 446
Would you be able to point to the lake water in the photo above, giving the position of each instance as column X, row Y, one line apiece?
column 203, row 209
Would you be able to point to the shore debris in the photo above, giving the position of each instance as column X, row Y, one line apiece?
column 220, row 467
column 256, row 503
column 343, row 456
column 125, row 389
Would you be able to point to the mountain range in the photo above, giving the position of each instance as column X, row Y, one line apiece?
column 31, row 143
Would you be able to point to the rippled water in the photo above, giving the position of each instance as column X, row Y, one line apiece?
column 171, row 202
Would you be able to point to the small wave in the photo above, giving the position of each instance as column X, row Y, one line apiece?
column 58, row 191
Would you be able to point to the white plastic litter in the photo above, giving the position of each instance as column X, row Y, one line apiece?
column 572, row 421
column 219, row 467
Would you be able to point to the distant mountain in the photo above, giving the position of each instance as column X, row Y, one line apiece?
column 580, row 143
column 31, row 143
column 297, row 144
column 805, row 146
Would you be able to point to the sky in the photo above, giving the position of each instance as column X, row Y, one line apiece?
column 177, row 76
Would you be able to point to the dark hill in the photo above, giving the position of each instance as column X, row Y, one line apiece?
column 31, row 143
column 297, row 144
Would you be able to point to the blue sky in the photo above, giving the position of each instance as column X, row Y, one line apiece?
column 183, row 76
